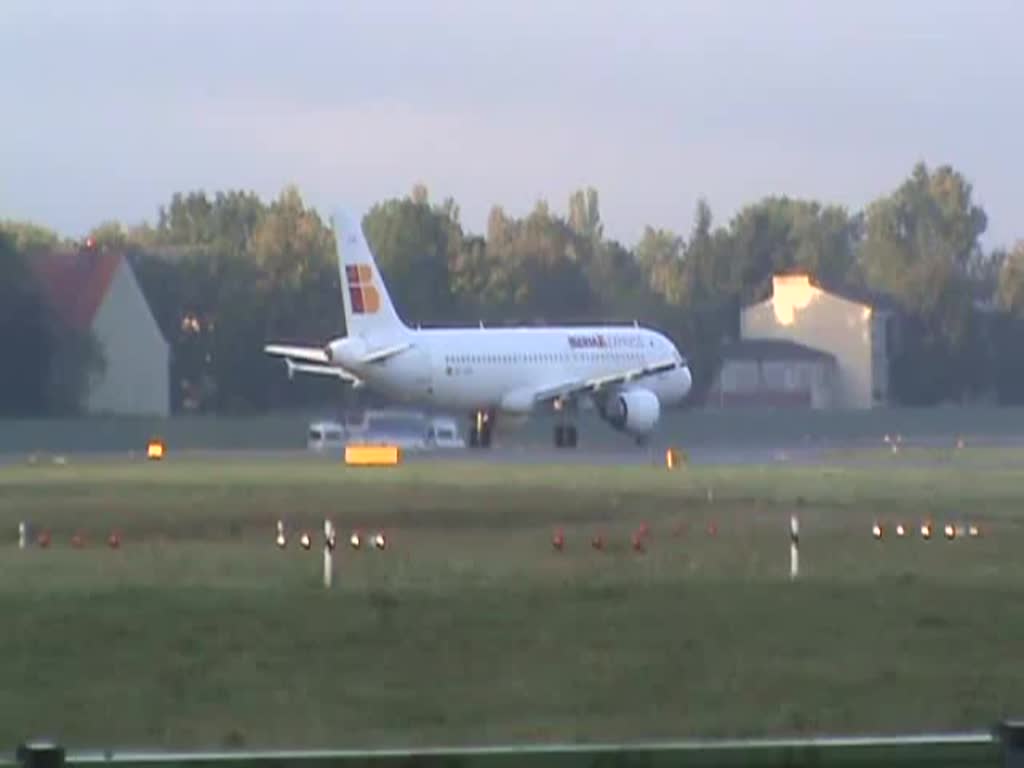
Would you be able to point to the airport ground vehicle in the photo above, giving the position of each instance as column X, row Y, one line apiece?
column 409, row 430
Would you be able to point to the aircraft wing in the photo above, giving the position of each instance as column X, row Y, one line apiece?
column 575, row 388
column 309, row 360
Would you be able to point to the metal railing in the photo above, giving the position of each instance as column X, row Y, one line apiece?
column 1004, row 746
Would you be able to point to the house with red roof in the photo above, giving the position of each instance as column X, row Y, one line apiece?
column 97, row 290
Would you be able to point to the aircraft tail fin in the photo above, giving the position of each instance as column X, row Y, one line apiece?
column 368, row 308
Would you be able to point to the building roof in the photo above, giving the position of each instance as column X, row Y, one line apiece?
column 856, row 294
column 772, row 349
column 864, row 296
column 75, row 283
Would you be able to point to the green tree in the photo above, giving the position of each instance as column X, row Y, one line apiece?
column 224, row 225
column 290, row 243
column 55, row 362
column 541, row 264
column 660, row 254
column 417, row 246
column 1010, row 292
column 921, row 247
column 780, row 234
column 585, row 215
column 110, row 235
column 921, row 243
column 25, row 334
column 76, row 358
column 26, row 237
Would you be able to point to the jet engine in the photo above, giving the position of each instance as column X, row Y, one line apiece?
column 635, row 411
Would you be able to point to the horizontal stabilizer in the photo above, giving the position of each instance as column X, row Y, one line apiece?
column 309, row 354
column 322, row 370
column 309, row 360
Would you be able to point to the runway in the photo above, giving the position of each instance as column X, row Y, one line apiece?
column 1000, row 452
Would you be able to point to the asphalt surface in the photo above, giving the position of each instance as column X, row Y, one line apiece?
column 823, row 453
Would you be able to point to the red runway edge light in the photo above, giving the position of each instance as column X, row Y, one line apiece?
column 638, row 542
column 558, row 539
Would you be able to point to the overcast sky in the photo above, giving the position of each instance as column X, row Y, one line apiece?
column 110, row 107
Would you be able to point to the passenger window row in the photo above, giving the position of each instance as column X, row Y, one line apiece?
column 541, row 358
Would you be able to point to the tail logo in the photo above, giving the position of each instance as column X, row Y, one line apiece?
column 361, row 290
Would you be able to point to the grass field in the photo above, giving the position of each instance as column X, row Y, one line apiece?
column 470, row 628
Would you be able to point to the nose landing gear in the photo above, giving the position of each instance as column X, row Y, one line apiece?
column 565, row 433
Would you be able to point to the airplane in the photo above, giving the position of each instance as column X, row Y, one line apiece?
column 627, row 373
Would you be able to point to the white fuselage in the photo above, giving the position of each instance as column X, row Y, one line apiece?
column 471, row 369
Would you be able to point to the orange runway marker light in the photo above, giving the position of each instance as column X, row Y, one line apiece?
column 155, row 450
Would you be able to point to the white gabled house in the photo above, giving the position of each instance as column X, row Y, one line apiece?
column 98, row 291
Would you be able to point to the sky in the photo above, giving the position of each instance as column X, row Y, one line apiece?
column 111, row 107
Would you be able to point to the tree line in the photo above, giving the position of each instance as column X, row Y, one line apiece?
column 227, row 272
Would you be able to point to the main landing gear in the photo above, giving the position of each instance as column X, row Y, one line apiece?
column 480, row 429
column 565, row 436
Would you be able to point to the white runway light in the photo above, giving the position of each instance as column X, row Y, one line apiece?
column 328, row 554
column 794, row 547
column 876, row 531
column 281, row 540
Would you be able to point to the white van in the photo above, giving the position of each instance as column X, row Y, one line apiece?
column 444, row 433
column 324, row 436
column 410, row 431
